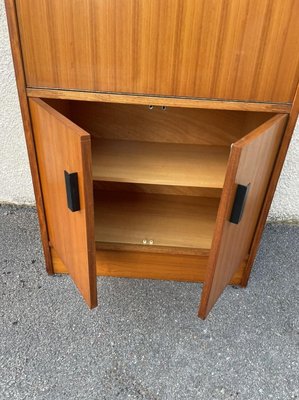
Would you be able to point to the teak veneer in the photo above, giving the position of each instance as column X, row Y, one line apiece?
column 133, row 264
column 156, row 133
column 159, row 163
column 205, row 49
column 168, row 220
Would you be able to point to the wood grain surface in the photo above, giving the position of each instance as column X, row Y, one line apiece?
column 272, row 186
column 159, row 163
column 251, row 162
column 167, row 220
column 159, row 101
column 157, row 189
column 136, row 265
column 217, row 49
column 164, row 124
column 62, row 146
column 237, row 55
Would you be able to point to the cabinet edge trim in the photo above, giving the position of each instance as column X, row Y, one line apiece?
column 159, row 100
column 13, row 29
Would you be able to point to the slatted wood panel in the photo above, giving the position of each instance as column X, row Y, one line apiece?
column 235, row 50
column 62, row 146
column 251, row 162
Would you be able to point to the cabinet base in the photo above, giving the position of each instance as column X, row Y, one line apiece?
column 140, row 265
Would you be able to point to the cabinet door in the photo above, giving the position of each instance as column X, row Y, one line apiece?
column 249, row 169
column 64, row 160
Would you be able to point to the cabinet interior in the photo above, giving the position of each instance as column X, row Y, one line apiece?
column 158, row 172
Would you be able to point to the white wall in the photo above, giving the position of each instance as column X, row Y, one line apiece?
column 15, row 180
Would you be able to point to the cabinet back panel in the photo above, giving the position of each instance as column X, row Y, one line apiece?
column 234, row 50
column 174, row 125
column 170, row 125
column 160, row 124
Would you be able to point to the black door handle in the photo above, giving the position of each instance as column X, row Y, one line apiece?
column 239, row 204
column 72, row 191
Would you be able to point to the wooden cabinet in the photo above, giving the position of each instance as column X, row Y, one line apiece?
column 156, row 133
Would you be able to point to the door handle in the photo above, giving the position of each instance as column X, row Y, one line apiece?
column 239, row 203
column 72, row 191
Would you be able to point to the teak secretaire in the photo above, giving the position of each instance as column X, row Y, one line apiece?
column 156, row 132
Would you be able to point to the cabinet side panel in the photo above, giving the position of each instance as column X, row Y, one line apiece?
column 272, row 186
column 21, row 85
column 215, row 49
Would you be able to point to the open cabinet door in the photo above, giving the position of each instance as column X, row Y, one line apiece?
column 249, row 169
column 64, row 159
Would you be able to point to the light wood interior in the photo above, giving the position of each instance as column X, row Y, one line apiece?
column 160, row 145
column 148, row 123
column 158, row 189
column 182, row 222
column 158, row 172
column 159, row 163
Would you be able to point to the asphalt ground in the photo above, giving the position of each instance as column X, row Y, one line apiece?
column 145, row 341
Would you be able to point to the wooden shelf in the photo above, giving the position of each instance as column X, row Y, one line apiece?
column 159, row 163
column 124, row 220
